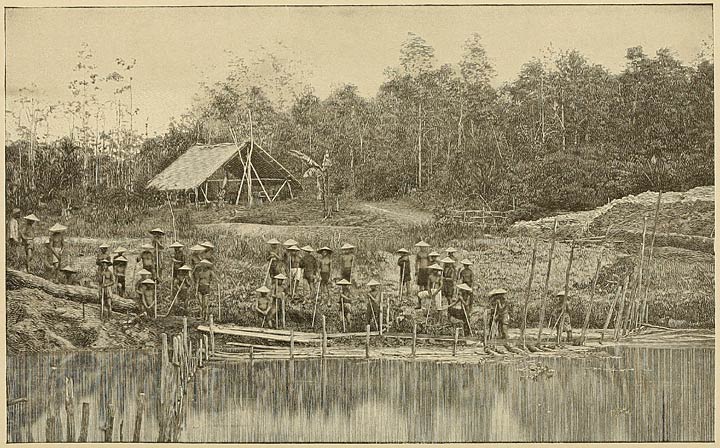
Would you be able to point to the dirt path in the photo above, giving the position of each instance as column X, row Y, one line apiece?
column 400, row 212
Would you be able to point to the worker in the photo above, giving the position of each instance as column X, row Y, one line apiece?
column 196, row 253
column 27, row 238
column 288, row 264
column 451, row 253
column 499, row 312
column 13, row 234
column 274, row 258
column 54, row 247
column 449, row 276
column 345, row 302
column 279, row 293
column 433, row 258
column 107, row 281
column 119, row 251
column 204, row 276
column 466, row 273
column 157, row 248
column 68, row 275
column 148, row 295
column 347, row 261
column 308, row 266
column 119, row 269
column 178, row 258
column 265, row 307
column 421, row 265
column 144, row 275
column 209, row 252
column 101, row 256
column 184, row 286
column 434, row 285
column 147, row 258
column 562, row 323
column 404, row 264
column 461, row 307
column 325, row 263
column 373, row 312
column 294, row 259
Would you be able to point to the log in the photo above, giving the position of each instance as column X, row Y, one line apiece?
column 255, row 335
column 17, row 279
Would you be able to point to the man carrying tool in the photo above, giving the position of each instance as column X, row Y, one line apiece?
column 274, row 258
column 279, row 293
column 347, row 261
column 373, row 314
column 107, row 281
column 101, row 256
column 466, row 274
column 157, row 248
column 147, row 295
column 178, row 258
column 499, row 312
column 449, row 276
column 434, row 286
column 460, row 309
column 184, row 286
column 54, row 248
column 265, row 307
column 404, row 264
column 27, row 238
column 204, row 276
column 325, row 263
column 119, row 268
column 308, row 266
column 294, row 268
column 288, row 263
column 196, row 255
column 562, row 324
column 345, row 301
column 421, row 265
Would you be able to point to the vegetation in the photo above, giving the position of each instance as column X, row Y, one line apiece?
column 565, row 134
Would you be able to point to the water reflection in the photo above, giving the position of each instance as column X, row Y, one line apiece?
column 630, row 394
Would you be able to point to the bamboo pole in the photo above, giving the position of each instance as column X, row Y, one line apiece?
column 414, row 340
column 527, row 293
column 618, row 318
column 324, row 337
column 139, row 417
column 543, row 299
column 367, row 342
column 84, row 422
column 292, row 343
column 207, row 347
column 212, row 335
column 610, row 312
column 455, row 341
column 592, row 296
column 561, row 321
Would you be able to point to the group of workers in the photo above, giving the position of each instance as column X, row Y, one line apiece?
column 293, row 274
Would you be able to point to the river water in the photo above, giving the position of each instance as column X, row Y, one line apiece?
column 619, row 394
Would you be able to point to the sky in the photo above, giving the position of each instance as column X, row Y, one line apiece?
column 175, row 48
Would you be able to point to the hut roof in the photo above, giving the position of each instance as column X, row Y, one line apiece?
column 199, row 162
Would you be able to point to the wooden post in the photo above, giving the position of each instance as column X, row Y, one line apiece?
column 610, row 312
column 185, row 334
column 84, row 422
column 414, row 339
column 367, row 342
column 200, row 353
column 109, row 421
column 592, row 296
column 455, row 341
column 644, row 317
column 69, row 410
column 207, row 347
column 324, row 337
column 527, row 294
column 567, row 292
column 212, row 335
column 618, row 318
column 163, row 387
column 638, row 288
column 543, row 299
column 292, row 343
column 251, row 352
column 139, row 417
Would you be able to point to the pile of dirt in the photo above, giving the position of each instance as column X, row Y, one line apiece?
column 690, row 213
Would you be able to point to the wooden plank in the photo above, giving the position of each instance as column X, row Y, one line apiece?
column 258, row 335
column 276, row 331
column 257, row 346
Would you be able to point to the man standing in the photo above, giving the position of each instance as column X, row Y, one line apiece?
column 144, row 275
column 345, row 301
column 184, row 286
column 147, row 258
column 347, row 261
column 309, row 265
column 279, row 298
column 13, row 235
column 404, row 264
column 27, row 238
column 157, row 248
column 265, row 307
column 288, row 263
column 451, row 253
column 325, row 263
column 209, row 253
column 100, row 257
column 204, row 277
column 119, row 268
column 55, row 248
column 295, row 270
column 434, row 286
column 449, row 276
column 421, row 265
column 500, row 312
column 462, row 312
column 178, row 258
column 147, row 295
column 373, row 312
column 120, row 251
column 107, row 280
column 433, row 258
column 466, row 274
column 562, row 324
column 274, row 259
column 196, row 253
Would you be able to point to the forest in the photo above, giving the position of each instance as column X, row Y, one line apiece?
column 565, row 134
